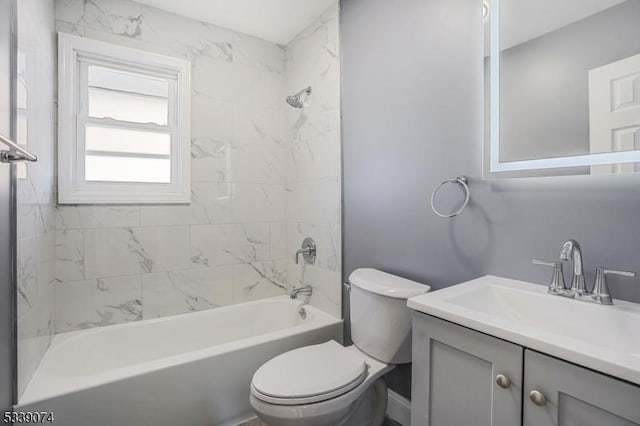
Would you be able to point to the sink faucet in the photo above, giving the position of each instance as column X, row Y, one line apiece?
column 305, row 291
column 571, row 250
column 600, row 293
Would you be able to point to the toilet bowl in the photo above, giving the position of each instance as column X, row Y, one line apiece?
column 322, row 384
column 330, row 384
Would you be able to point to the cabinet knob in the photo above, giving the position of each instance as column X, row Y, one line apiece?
column 537, row 398
column 503, row 381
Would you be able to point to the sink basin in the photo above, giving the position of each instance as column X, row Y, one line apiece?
column 604, row 338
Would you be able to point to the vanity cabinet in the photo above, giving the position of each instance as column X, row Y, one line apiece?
column 455, row 376
column 576, row 396
column 463, row 377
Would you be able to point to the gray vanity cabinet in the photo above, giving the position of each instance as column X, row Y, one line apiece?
column 459, row 378
column 575, row 396
column 454, row 376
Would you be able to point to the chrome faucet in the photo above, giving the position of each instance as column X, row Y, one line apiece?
column 571, row 250
column 308, row 251
column 600, row 293
column 305, row 291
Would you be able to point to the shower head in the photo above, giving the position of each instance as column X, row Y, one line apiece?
column 296, row 100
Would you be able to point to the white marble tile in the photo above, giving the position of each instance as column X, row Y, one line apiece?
column 312, row 123
column 69, row 255
column 255, row 126
column 300, row 73
column 69, row 11
column 258, row 88
column 113, row 252
column 91, row 216
column 170, row 293
column 313, row 161
column 45, row 309
column 197, row 38
column 257, row 280
column 133, row 42
column 28, row 350
column 27, row 275
column 209, row 160
column 246, row 145
column 69, row 28
column 314, row 158
column 258, row 203
column 128, row 251
column 314, row 201
column 327, row 286
column 258, row 53
column 210, row 204
column 215, row 245
column 211, row 118
column 34, row 263
column 328, row 243
column 327, row 73
column 35, row 222
column 33, row 218
column 121, row 17
column 98, row 302
column 279, row 241
column 215, row 79
column 305, row 45
column 260, row 164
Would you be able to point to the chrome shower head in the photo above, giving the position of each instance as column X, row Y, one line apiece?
column 296, row 100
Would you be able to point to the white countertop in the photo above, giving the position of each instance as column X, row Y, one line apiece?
column 602, row 338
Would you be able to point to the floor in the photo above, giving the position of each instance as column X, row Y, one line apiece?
column 258, row 422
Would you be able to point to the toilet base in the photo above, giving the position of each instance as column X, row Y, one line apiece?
column 367, row 410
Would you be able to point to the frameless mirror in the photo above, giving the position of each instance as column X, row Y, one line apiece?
column 562, row 87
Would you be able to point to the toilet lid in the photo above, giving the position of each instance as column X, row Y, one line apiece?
column 310, row 374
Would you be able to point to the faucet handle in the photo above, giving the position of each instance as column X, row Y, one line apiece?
column 600, row 293
column 606, row 271
column 557, row 285
column 308, row 251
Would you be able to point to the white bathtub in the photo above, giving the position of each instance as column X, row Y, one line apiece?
column 191, row 369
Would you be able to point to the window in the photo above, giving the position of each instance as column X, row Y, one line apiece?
column 124, row 125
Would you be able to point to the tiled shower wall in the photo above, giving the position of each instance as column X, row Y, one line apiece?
column 313, row 160
column 125, row 263
column 253, row 196
column 35, row 184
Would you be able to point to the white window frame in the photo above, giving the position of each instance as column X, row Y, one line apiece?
column 73, row 55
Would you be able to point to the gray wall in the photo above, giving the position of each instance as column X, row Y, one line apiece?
column 412, row 116
column 545, row 83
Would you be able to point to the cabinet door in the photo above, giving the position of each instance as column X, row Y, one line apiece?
column 454, row 376
column 576, row 396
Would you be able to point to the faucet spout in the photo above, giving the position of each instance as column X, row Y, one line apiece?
column 306, row 291
column 571, row 250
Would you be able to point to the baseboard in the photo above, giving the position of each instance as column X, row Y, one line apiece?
column 398, row 408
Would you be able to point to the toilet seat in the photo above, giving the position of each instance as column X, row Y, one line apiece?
column 310, row 374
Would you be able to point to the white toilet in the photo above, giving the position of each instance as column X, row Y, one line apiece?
column 329, row 384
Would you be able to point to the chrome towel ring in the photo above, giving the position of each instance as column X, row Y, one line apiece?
column 464, row 183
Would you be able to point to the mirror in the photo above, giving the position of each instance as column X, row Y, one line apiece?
column 562, row 87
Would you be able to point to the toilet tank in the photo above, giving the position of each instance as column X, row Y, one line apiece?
column 380, row 319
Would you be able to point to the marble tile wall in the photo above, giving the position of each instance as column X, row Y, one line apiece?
column 264, row 176
column 313, row 160
column 35, row 184
column 124, row 263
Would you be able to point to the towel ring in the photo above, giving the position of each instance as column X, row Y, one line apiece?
column 464, row 183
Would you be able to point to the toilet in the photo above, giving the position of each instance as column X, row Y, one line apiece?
column 330, row 384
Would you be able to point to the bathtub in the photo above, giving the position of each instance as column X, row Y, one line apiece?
column 191, row 369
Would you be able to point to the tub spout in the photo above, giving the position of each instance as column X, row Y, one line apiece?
column 305, row 291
